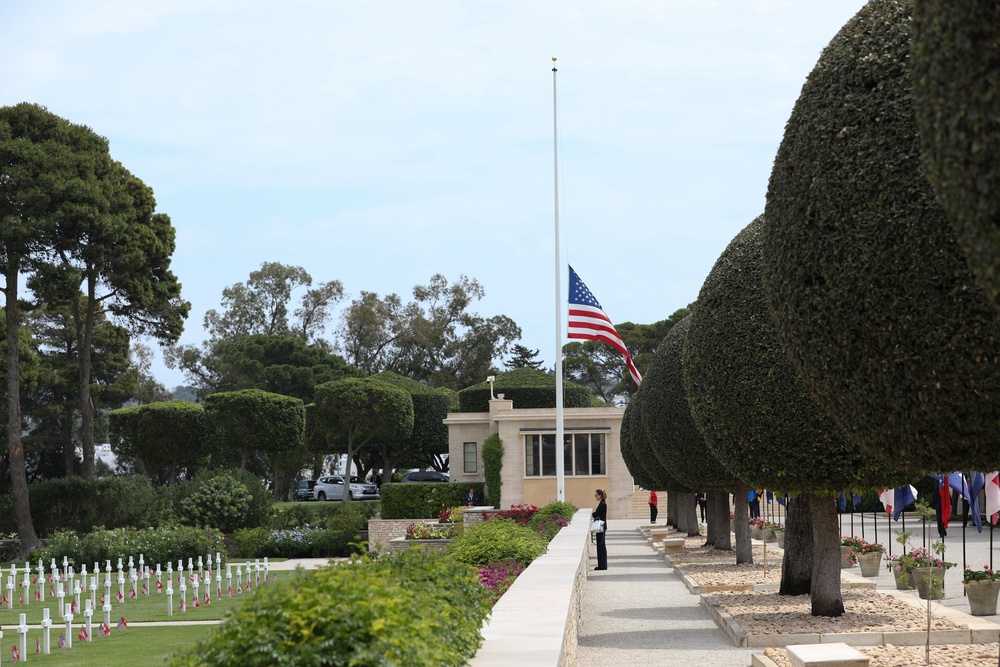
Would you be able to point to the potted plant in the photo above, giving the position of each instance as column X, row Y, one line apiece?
column 926, row 570
column 850, row 547
column 870, row 557
column 982, row 587
column 779, row 534
column 757, row 528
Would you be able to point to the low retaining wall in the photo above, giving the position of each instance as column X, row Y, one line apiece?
column 401, row 544
column 380, row 531
column 535, row 623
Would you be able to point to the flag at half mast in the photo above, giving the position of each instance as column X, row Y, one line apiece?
column 588, row 321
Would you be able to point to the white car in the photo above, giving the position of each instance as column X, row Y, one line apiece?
column 331, row 487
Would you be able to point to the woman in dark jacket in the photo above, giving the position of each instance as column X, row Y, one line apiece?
column 601, row 513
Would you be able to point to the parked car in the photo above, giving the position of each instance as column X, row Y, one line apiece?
column 304, row 490
column 425, row 476
column 331, row 487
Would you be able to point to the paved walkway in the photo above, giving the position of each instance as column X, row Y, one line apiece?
column 639, row 613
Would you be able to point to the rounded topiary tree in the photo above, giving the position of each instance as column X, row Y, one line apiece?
column 429, row 436
column 161, row 439
column 758, row 417
column 869, row 290
column 527, row 388
column 678, row 444
column 956, row 75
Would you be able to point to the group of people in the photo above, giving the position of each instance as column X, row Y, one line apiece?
column 700, row 499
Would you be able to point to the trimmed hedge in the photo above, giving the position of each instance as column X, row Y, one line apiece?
column 157, row 545
column 756, row 414
column 76, row 503
column 675, row 439
column 424, row 500
column 418, row 610
column 955, row 60
column 637, row 451
column 495, row 541
column 871, row 294
column 527, row 388
column 493, row 467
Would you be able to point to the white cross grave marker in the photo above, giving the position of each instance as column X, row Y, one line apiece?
column 46, row 631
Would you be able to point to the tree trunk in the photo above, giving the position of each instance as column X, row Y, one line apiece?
column 826, row 596
column 741, row 511
column 18, row 472
column 689, row 510
column 718, row 514
column 672, row 508
column 712, row 527
column 69, row 449
column 797, row 563
column 84, row 337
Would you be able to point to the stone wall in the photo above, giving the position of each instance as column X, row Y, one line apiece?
column 380, row 531
column 400, row 544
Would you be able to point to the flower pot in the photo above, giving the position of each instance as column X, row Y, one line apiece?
column 870, row 563
column 757, row 533
column 982, row 597
column 845, row 561
column 769, row 535
column 779, row 537
column 928, row 584
column 903, row 581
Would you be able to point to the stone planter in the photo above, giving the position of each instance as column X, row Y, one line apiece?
column 903, row 582
column 779, row 537
column 757, row 533
column 870, row 563
column 845, row 562
column 928, row 584
column 769, row 535
column 982, row 597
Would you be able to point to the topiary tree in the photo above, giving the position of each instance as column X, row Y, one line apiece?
column 678, row 444
column 955, row 65
column 492, row 467
column 251, row 423
column 429, row 437
column 527, row 388
column 160, row 439
column 870, row 292
column 756, row 414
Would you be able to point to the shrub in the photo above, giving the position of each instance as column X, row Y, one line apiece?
column 157, row 545
column 424, row 500
column 290, row 517
column 496, row 579
column 492, row 467
column 527, row 388
column 491, row 542
column 565, row 510
column 549, row 527
column 225, row 500
column 75, row 503
column 519, row 513
column 417, row 609
column 249, row 542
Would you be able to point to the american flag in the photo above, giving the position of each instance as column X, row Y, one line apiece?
column 120, row 597
column 230, row 591
column 61, row 642
column 38, row 645
column 83, row 636
column 196, row 602
column 588, row 321
column 122, row 625
column 159, row 586
column 208, row 598
column 5, row 599
column 15, row 655
column 131, row 593
column 104, row 630
column 145, row 588
column 183, row 604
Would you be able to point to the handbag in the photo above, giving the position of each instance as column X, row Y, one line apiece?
column 597, row 526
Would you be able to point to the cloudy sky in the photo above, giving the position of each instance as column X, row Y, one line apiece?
column 379, row 143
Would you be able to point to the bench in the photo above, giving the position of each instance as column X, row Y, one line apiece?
column 673, row 545
column 826, row 655
column 657, row 535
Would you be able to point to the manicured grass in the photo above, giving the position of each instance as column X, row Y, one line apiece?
column 134, row 647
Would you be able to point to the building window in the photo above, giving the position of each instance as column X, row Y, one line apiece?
column 471, row 457
column 583, row 454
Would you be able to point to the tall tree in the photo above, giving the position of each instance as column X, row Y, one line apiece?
column 433, row 339
column 148, row 388
column 523, row 357
column 45, row 167
column 355, row 412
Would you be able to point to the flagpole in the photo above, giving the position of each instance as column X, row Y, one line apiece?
column 560, row 453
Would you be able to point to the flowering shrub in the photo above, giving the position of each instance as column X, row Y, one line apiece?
column 757, row 523
column 853, row 542
column 919, row 557
column 451, row 515
column 519, row 513
column 985, row 574
column 548, row 526
column 422, row 531
column 494, row 541
column 291, row 542
column 496, row 579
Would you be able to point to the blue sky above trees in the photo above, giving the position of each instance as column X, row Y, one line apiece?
column 380, row 143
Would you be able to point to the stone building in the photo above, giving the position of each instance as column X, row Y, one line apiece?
column 593, row 454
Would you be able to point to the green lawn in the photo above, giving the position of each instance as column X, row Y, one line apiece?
column 134, row 647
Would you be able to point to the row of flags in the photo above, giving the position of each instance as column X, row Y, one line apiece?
column 969, row 485
column 103, row 630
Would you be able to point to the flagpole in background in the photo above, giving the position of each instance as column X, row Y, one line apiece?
column 560, row 453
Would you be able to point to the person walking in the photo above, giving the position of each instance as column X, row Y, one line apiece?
column 652, row 507
column 601, row 513
column 702, row 500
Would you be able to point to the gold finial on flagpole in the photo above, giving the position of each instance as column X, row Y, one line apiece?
column 553, row 63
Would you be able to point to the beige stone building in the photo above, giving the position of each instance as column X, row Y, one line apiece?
column 593, row 454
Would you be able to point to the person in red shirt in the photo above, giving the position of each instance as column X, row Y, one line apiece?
column 652, row 507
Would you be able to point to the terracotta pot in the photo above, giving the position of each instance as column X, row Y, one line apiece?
column 870, row 563
column 927, row 584
column 982, row 597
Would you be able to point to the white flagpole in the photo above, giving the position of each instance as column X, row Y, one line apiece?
column 560, row 448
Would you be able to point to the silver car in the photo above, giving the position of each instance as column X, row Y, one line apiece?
column 331, row 487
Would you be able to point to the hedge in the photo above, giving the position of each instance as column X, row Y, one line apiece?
column 495, row 541
column 869, row 290
column 157, row 545
column 418, row 610
column 527, row 388
column 492, row 468
column 424, row 500
column 76, row 503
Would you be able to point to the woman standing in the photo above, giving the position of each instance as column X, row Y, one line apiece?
column 601, row 512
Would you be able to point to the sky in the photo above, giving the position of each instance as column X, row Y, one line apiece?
column 380, row 143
